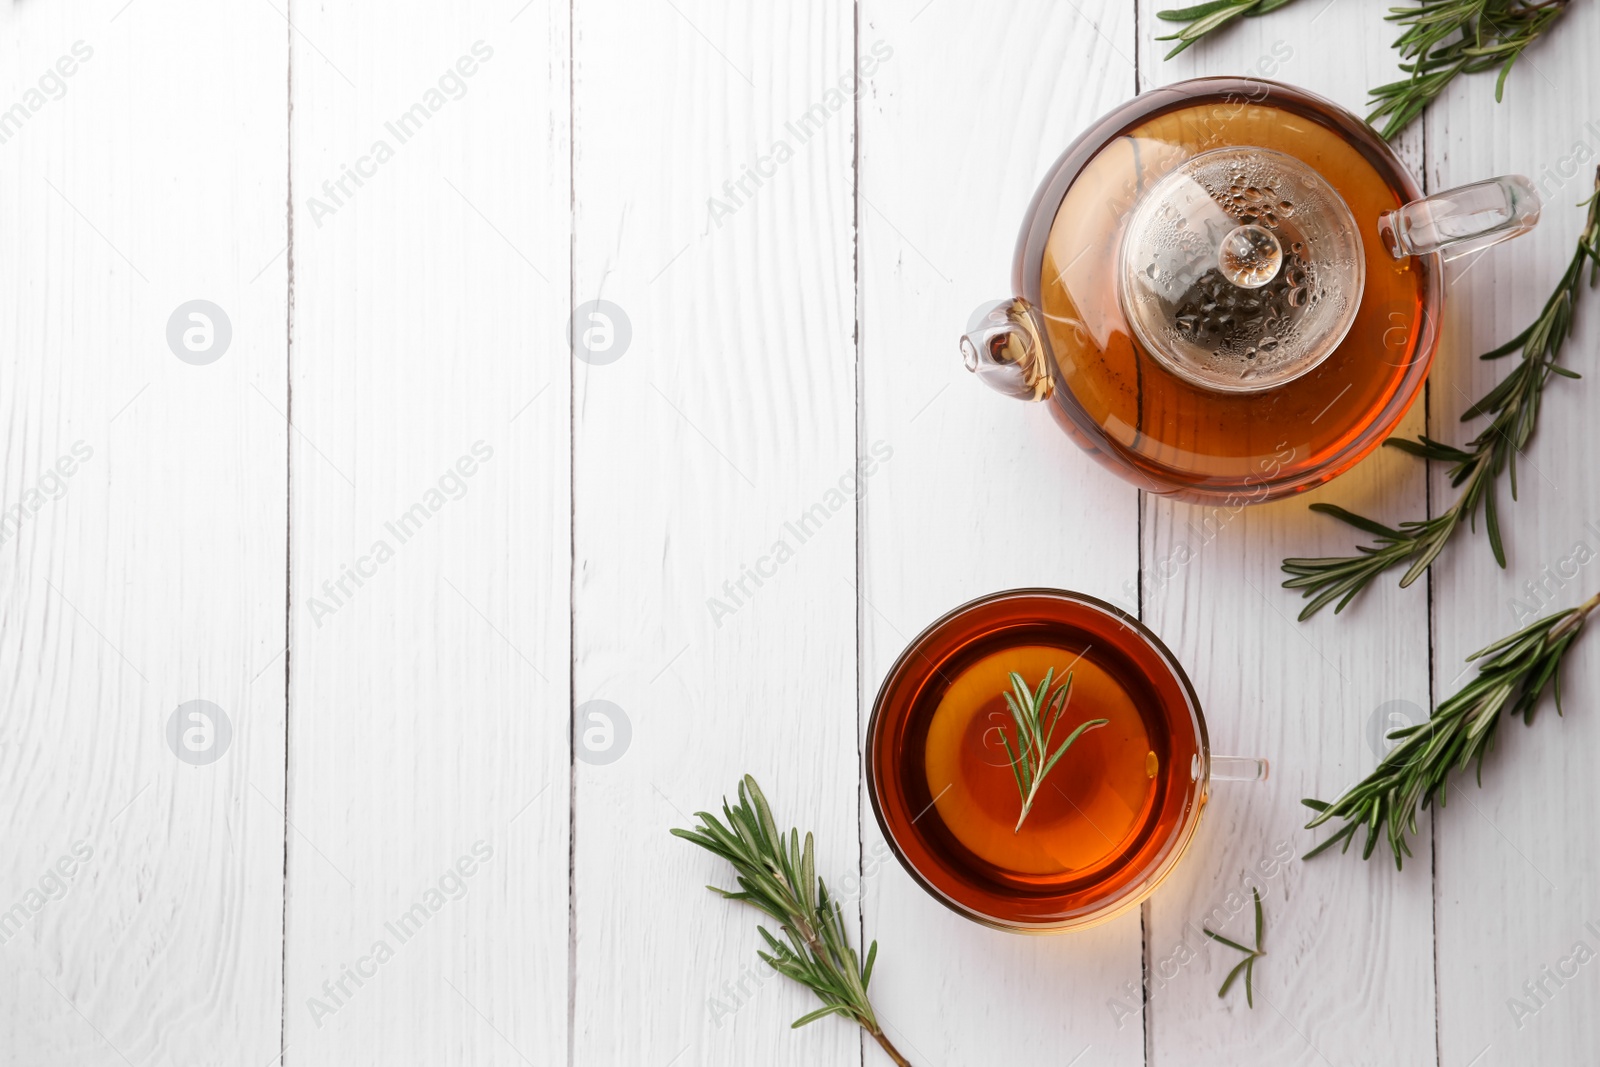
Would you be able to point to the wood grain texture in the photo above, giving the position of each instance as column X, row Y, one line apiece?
column 1517, row 885
column 1349, row 969
column 731, row 415
column 795, row 263
column 150, row 573
column 984, row 493
column 428, row 762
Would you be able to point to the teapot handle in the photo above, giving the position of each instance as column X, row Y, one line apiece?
column 1003, row 347
column 1461, row 220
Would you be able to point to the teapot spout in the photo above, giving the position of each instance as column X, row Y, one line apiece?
column 1003, row 347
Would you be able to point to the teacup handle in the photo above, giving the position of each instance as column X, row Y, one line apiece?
column 1234, row 769
column 1463, row 219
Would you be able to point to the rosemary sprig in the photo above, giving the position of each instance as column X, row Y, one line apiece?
column 1035, row 719
column 1209, row 17
column 1248, row 964
column 778, row 876
column 1444, row 38
column 1441, row 39
column 1513, row 410
column 1513, row 674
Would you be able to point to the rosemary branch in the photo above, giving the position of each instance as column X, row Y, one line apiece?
column 1444, row 38
column 1440, row 40
column 1513, row 410
column 1513, row 674
column 1210, row 17
column 777, row 875
column 1035, row 719
column 1248, row 964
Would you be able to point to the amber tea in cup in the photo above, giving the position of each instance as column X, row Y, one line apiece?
column 1108, row 821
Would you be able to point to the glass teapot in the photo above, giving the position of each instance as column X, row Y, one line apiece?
column 1230, row 289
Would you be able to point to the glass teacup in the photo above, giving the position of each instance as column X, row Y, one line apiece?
column 1109, row 821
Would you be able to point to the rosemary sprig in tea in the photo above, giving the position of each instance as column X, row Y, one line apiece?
column 1513, row 410
column 778, row 875
column 1248, row 964
column 1444, row 38
column 1036, row 719
column 1209, row 17
column 1513, row 674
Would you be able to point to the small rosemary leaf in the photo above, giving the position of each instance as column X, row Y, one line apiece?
column 1358, row 521
column 1038, row 696
column 808, row 874
column 1374, row 824
column 1204, row 25
column 1351, row 595
column 866, row 969
column 1538, row 624
column 1555, row 688
column 820, row 1013
column 1228, row 981
column 1224, row 941
column 1429, row 551
column 1514, row 652
column 1249, row 972
column 1319, row 602
column 697, row 837
column 768, row 828
column 1260, row 922
column 713, row 829
column 1189, row 14
column 1509, row 347
column 1500, row 82
column 1314, row 805
column 1419, row 448
column 1330, row 842
column 1091, row 724
column 1016, row 711
column 1016, row 763
column 1491, row 518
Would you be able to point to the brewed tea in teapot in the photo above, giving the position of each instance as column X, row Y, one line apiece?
column 1230, row 289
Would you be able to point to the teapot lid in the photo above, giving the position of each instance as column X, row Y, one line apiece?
column 1241, row 269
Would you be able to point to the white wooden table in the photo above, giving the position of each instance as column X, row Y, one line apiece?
column 396, row 532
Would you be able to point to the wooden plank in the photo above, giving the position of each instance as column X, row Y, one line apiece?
column 428, row 786
column 983, row 493
column 143, row 550
column 1350, row 965
column 1516, row 889
column 731, row 411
